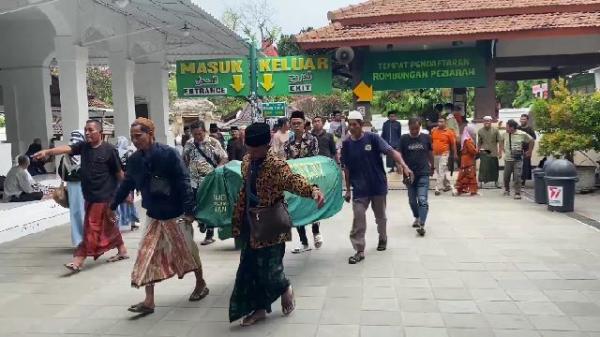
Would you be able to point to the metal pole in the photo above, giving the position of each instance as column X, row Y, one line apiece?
column 253, row 81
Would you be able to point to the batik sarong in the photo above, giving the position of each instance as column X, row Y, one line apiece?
column 167, row 249
column 100, row 231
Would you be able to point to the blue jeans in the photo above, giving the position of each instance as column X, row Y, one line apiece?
column 76, row 211
column 417, row 198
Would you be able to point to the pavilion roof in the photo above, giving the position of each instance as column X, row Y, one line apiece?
column 422, row 21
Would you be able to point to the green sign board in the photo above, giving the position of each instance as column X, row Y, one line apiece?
column 294, row 75
column 204, row 78
column 447, row 68
column 273, row 109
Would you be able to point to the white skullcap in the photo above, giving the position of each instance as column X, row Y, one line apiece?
column 355, row 115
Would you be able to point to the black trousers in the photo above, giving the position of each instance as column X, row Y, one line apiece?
column 27, row 197
column 302, row 233
column 210, row 232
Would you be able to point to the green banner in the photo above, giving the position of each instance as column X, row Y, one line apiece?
column 205, row 78
column 273, row 109
column 294, row 75
column 447, row 68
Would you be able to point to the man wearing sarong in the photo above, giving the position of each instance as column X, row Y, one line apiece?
column 167, row 248
column 302, row 144
column 488, row 142
column 467, row 177
column 203, row 155
column 260, row 279
column 525, row 127
column 100, row 173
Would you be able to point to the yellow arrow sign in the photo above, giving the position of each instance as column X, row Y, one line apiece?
column 237, row 85
column 363, row 92
column 267, row 82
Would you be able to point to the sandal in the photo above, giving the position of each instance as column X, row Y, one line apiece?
column 73, row 267
column 117, row 258
column 207, row 242
column 288, row 309
column 141, row 308
column 198, row 294
column 252, row 319
column 356, row 258
column 301, row 249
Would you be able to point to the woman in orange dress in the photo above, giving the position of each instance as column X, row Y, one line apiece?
column 467, row 175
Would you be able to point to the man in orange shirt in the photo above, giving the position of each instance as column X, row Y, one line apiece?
column 444, row 143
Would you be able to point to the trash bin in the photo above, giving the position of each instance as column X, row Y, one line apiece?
column 561, row 176
column 540, row 194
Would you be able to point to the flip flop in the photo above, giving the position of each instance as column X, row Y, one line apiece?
column 73, row 267
column 197, row 295
column 140, row 308
column 117, row 258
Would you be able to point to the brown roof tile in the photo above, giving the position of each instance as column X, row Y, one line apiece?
column 409, row 10
column 336, row 34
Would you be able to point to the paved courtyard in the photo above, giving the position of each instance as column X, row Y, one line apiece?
column 489, row 266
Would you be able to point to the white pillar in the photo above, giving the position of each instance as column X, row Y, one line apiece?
column 27, row 106
column 151, row 83
column 122, row 71
column 597, row 78
column 72, row 62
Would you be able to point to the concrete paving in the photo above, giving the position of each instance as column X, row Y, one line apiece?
column 489, row 266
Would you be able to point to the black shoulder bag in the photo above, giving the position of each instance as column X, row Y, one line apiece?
column 208, row 159
column 159, row 186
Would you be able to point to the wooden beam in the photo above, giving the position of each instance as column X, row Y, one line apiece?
column 591, row 59
column 526, row 75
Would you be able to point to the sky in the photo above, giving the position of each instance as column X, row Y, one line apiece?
column 290, row 15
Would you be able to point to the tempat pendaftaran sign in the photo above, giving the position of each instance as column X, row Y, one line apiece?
column 445, row 68
column 203, row 78
column 276, row 76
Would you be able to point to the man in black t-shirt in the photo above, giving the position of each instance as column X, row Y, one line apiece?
column 417, row 151
column 100, row 174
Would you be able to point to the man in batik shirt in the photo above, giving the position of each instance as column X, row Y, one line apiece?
column 302, row 144
column 202, row 156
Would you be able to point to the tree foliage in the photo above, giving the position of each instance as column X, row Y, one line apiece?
column 253, row 20
column 569, row 122
column 172, row 87
column 99, row 84
column 506, row 92
column 287, row 45
column 407, row 103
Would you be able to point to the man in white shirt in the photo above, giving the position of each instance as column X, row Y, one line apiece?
column 280, row 138
column 18, row 185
